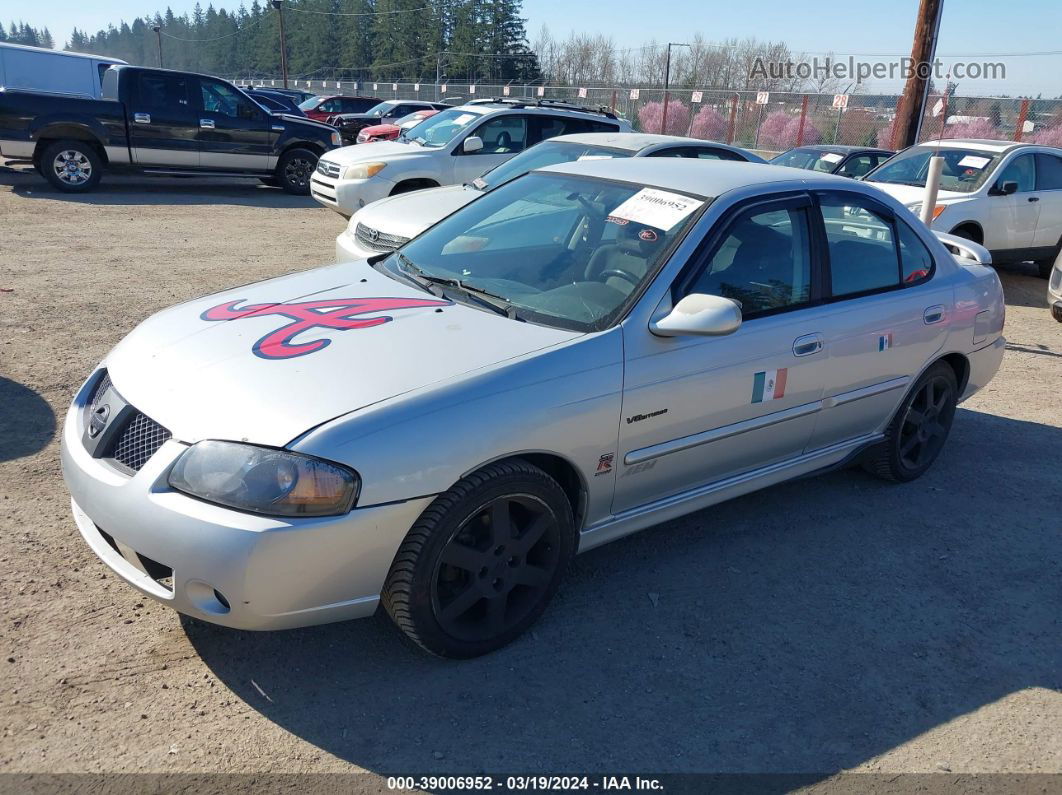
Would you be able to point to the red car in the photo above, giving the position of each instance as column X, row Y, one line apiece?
column 323, row 108
column 389, row 132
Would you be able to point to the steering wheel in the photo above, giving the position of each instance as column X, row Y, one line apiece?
column 627, row 277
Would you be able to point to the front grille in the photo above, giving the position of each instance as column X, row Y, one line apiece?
column 375, row 240
column 328, row 169
column 139, row 440
column 101, row 390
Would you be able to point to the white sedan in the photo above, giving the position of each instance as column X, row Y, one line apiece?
column 581, row 353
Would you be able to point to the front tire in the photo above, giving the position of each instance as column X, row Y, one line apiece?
column 71, row 166
column 917, row 433
column 294, row 170
column 482, row 562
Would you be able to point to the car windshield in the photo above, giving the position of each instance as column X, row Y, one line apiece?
column 965, row 170
column 441, row 128
column 555, row 249
column 545, row 154
column 811, row 159
column 379, row 110
column 310, row 103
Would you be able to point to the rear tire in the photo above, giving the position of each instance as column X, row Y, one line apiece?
column 294, row 170
column 917, row 433
column 482, row 562
column 71, row 166
column 1044, row 266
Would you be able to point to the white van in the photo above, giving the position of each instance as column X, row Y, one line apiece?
column 52, row 71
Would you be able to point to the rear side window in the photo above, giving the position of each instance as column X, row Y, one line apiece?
column 1048, row 172
column 763, row 263
column 162, row 92
column 861, row 244
column 697, row 152
column 916, row 263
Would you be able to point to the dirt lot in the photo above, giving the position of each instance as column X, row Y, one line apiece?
column 828, row 624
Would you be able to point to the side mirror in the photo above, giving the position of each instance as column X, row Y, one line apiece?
column 1007, row 188
column 473, row 143
column 699, row 315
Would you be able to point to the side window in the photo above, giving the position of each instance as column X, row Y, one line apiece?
column 1048, row 172
column 224, row 100
column 698, row 152
column 503, row 135
column 546, row 127
column 916, row 263
column 162, row 92
column 862, row 246
column 1022, row 170
column 857, row 166
column 764, row 262
column 330, row 106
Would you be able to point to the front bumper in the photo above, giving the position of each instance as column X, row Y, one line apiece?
column 347, row 196
column 348, row 250
column 231, row 568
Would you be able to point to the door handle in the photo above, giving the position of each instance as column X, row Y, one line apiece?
column 206, row 124
column 933, row 314
column 1034, row 198
column 142, row 118
column 807, row 345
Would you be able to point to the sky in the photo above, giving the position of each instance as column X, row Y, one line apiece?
column 970, row 29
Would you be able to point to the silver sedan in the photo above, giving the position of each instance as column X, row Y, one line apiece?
column 587, row 350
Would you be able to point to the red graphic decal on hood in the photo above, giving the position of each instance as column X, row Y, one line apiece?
column 337, row 314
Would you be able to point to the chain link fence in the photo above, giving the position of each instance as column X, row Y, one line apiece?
column 766, row 122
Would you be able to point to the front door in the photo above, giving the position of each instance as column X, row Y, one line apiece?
column 699, row 409
column 234, row 134
column 163, row 125
column 1010, row 223
column 503, row 137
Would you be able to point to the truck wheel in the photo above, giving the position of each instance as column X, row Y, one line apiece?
column 72, row 166
column 917, row 433
column 294, row 170
column 482, row 562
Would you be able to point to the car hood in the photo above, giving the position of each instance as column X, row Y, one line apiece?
column 268, row 361
column 409, row 214
column 306, row 121
column 909, row 194
column 375, row 150
column 376, row 129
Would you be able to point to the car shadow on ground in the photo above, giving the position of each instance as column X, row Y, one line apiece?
column 27, row 422
column 1023, row 287
column 805, row 628
column 119, row 190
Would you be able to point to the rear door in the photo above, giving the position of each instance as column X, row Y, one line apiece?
column 888, row 315
column 234, row 134
column 163, row 124
column 699, row 409
column 1049, row 189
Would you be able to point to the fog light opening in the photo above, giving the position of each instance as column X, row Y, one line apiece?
column 221, row 598
column 206, row 598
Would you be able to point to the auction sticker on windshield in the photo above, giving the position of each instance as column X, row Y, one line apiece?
column 972, row 161
column 660, row 208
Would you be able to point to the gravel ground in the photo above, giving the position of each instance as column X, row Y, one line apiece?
column 836, row 623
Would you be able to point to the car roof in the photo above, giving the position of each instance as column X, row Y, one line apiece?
column 840, row 149
column 699, row 177
column 634, row 142
column 543, row 110
column 987, row 144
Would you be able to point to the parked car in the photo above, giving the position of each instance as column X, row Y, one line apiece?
column 581, row 353
column 1006, row 196
column 275, row 103
column 1054, row 290
column 388, row 223
column 389, row 132
column 324, row 108
column 295, row 93
column 25, row 68
column 386, row 112
column 847, row 161
column 157, row 121
column 452, row 147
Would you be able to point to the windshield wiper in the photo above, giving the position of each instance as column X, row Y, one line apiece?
column 483, row 297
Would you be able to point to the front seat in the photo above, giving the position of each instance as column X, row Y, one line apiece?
column 635, row 246
column 503, row 144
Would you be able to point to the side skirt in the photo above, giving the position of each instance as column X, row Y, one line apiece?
column 635, row 519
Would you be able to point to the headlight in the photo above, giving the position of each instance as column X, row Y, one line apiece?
column 337, row 139
column 916, row 208
column 363, row 170
column 264, row 480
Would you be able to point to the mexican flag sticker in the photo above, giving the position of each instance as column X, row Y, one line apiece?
column 884, row 341
column 768, row 385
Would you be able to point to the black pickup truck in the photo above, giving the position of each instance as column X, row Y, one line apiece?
column 158, row 121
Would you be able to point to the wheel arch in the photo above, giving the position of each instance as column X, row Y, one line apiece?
column 959, row 364
column 312, row 146
column 414, row 183
column 557, row 467
column 974, row 227
column 49, row 134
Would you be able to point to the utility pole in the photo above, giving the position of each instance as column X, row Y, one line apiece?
column 158, row 35
column 915, row 92
column 667, row 81
column 279, row 6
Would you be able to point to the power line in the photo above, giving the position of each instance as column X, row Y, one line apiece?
column 358, row 14
column 244, row 29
